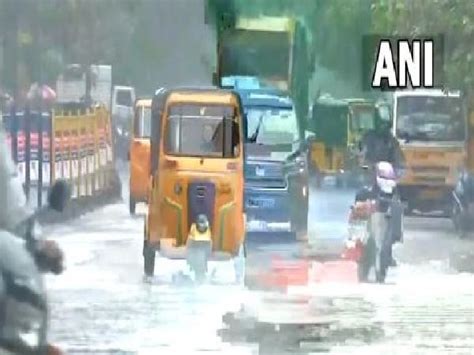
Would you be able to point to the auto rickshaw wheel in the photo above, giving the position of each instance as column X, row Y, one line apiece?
column 148, row 259
column 132, row 205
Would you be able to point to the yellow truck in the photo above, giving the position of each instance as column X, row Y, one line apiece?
column 431, row 127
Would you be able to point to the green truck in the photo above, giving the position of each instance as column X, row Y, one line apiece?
column 273, row 48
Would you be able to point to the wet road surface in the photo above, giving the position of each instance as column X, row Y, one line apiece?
column 101, row 304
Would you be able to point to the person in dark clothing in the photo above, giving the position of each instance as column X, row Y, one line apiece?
column 379, row 145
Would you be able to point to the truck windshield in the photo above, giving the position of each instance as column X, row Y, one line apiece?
column 428, row 118
column 143, row 122
column 278, row 125
column 202, row 131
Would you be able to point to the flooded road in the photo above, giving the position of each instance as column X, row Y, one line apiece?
column 101, row 305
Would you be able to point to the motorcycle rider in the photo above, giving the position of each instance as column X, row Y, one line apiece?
column 379, row 145
column 23, row 258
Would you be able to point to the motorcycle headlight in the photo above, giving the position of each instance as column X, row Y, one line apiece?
column 386, row 185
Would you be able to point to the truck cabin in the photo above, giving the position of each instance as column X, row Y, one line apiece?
column 271, row 118
column 429, row 116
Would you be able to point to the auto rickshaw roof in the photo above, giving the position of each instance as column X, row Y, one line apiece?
column 162, row 94
column 192, row 89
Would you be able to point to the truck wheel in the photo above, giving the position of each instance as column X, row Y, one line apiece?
column 148, row 260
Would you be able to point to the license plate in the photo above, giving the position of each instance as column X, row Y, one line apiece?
column 257, row 226
column 430, row 194
column 261, row 203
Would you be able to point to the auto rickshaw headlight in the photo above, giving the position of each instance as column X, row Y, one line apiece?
column 202, row 223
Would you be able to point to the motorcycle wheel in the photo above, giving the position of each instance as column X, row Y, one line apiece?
column 382, row 263
column 367, row 261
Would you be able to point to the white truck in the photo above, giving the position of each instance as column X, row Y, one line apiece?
column 71, row 87
column 119, row 100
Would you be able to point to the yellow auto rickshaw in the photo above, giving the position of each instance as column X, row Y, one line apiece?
column 139, row 154
column 195, row 203
column 338, row 126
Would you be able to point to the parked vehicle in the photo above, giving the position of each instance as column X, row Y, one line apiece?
column 123, row 98
column 139, row 154
column 119, row 100
column 195, row 200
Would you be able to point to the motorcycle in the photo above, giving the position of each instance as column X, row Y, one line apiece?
column 375, row 224
column 23, row 305
column 463, row 205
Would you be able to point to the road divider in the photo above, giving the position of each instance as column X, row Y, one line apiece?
column 74, row 145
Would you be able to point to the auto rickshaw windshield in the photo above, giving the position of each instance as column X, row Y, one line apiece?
column 202, row 131
column 363, row 118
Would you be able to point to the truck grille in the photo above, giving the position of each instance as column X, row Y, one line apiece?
column 266, row 183
column 437, row 170
column 431, row 180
